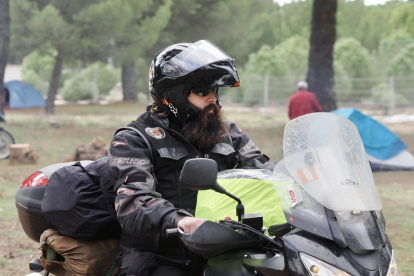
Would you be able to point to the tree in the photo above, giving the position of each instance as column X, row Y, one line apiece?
column 320, row 75
column 289, row 58
column 389, row 48
column 403, row 18
column 4, row 45
column 128, row 28
column 354, row 58
column 403, row 63
column 37, row 70
column 49, row 28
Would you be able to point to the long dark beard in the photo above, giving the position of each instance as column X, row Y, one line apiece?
column 205, row 129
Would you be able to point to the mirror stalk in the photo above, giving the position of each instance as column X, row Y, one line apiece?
column 240, row 206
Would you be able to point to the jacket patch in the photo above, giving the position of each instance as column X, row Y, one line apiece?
column 119, row 143
column 131, row 161
column 249, row 145
column 124, row 191
column 156, row 132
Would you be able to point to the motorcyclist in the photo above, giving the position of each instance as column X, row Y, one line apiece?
column 184, row 122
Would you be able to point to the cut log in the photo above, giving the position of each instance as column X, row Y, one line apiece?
column 93, row 150
column 22, row 154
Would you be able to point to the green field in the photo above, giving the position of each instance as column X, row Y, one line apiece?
column 54, row 138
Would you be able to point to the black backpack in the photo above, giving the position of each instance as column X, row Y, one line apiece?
column 79, row 202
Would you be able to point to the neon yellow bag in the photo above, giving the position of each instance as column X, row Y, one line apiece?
column 253, row 187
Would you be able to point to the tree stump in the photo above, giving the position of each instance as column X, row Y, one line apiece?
column 93, row 150
column 22, row 154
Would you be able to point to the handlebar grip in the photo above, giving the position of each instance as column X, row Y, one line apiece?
column 173, row 232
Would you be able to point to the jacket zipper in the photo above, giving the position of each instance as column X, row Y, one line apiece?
column 198, row 155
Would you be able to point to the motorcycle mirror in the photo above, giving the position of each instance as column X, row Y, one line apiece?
column 199, row 174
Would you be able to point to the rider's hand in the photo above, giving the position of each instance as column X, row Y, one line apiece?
column 190, row 224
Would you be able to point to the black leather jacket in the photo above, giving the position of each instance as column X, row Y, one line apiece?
column 149, row 197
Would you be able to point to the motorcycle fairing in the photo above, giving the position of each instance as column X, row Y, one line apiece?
column 230, row 263
column 355, row 264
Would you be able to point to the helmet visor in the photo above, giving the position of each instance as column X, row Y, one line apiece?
column 195, row 56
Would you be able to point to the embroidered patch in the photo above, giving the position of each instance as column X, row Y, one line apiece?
column 124, row 191
column 119, row 143
column 248, row 146
column 156, row 132
column 131, row 161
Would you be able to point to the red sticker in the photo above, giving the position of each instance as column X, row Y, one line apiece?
column 125, row 191
column 292, row 196
column 119, row 143
column 292, row 219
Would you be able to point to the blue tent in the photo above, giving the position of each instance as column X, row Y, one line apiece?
column 378, row 140
column 23, row 95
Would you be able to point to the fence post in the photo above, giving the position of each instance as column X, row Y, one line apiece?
column 95, row 92
column 392, row 97
column 266, row 91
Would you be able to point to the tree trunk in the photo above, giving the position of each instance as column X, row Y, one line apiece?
column 54, row 83
column 4, row 46
column 320, row 76
column 129, row 82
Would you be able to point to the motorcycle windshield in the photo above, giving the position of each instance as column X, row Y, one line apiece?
column 195, row 56
column 358, row 229
column 325, row 167
column 324, row 153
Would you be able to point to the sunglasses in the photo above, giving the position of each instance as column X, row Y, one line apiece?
column 204, row 91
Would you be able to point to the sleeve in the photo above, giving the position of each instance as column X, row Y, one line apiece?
column 247, row 152
column 316, row 106
column 140, row 209
column 289, row 109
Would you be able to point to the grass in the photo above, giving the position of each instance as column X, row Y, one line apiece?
column 54, row 138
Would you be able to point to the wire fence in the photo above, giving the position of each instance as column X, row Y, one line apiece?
column 382, row 93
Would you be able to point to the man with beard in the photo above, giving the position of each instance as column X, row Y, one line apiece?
column 145, row 159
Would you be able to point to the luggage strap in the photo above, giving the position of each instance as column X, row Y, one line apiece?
column 114, row 264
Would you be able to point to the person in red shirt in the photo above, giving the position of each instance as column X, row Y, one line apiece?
column 303, row 102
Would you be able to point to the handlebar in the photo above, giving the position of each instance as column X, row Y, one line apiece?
column 173, row 232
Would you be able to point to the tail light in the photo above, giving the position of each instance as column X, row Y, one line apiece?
column 36, row 179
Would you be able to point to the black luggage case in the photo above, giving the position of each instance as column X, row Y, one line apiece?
column 29, row 200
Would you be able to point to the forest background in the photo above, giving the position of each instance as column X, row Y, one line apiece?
column 101, row 43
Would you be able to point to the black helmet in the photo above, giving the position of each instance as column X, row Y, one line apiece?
column 180, row 68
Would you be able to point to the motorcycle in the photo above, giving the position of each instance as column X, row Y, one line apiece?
column 329, row 199
column 334, row 221
column 6, row 139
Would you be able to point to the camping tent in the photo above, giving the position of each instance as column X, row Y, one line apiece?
column 23, row 95
column 385, row 150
